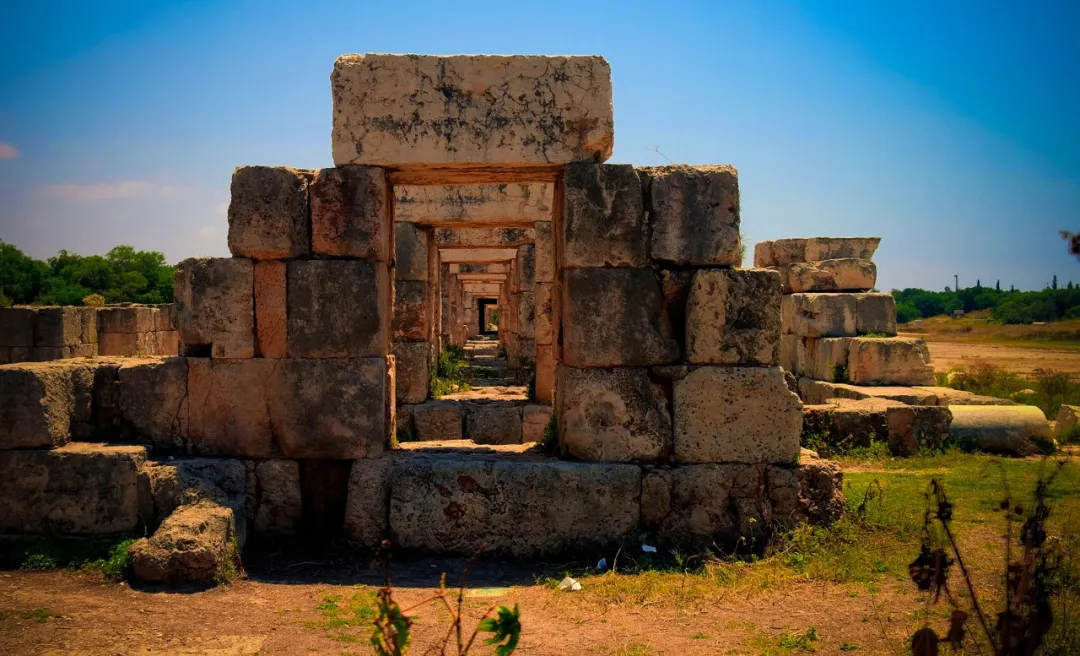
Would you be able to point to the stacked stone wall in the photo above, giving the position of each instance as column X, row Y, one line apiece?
column 44, row 333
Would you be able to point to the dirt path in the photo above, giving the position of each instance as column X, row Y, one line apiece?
column 64, row 613
column 945, row 355
column 494, row 381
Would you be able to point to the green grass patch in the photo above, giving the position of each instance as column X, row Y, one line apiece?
column 108, row 556
column 452, row 373
column 340, row 612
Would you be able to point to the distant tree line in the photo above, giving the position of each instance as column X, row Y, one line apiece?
column 1008, row 306
column 121, row 275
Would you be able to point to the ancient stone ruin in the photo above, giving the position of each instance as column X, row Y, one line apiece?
column 460, row 184
column 41, row 334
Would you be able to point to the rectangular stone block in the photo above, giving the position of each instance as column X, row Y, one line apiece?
column 838, row 275
column 693, row 214
column 545, row 373
column 474, row 205
column 17, row 327
column 525, row 305
column 733, row 317
column 831, row 248
column 163, row 318
column 336, row 409
column 153, row 401
column 612, row 415
column 439, row 420
column 129, row 345
column 520, row 508
column 413, row 371
column 338, row 308
column 214, row 307
column 545, row 253
column 57, row 326
column 826, row 358
column 889, row 361
column 168, row 342
column 269, row 218
column 424, row 110
column 493, row 423
column 780, row 252
column 603, row 217
column 228, row 413
column 484, row 237
column 534, row 421
column 542, row 313
column 40, row 401
column 131, row 319
column 875, row 313
column 736, row 414
column 525, row 269
column 412, row 246
column 271, row 315
column 706, row 504
column 819, row 315
column 279, row 509
column 367, row 507
column 615, row 317
column 412, row 314
column 78, row 489
column 350, row 213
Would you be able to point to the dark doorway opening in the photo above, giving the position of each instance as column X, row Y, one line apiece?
column 482, row 306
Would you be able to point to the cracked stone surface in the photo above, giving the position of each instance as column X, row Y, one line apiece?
column 471, row 109
column 455, row 206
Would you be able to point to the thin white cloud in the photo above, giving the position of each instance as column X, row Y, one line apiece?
column 7, row 151
column 208, row 232
column 113, row 190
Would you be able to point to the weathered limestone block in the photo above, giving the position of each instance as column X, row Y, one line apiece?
column 131, row 319
column 736, row 414
column 693, row 214
column 412, row 314
column 40, row 402
column 438, row 420
column 811, row 491
column 849, row 422
column 214, row 308
column 1011, row 429
column 268, row 215
column 545, row 373
column 338, row 308
column 818, row 391
column 542, row 313
column 57, row 326
column 163, row 317
column 733, row 317
column 875, row 313
column 915, row 427
column 525, row 305
column 946, row 396
column 825, row 358
column 615, row 317
column 153, row 401
column 130, row 345
column 412, row 249
column 79, row 488
column 164, row 486
column 228, row 413
column 335, row 409
column 471, row 109
column 271, row 310
column 515, row 507
column 603, row 217
column 484, row 237
column 368, row 503
column 792, row 354
column 545, row 253
column 889, row 361
column 612, row 415
column 279, row 508
column 17, row 327
column 1068, row 418
column 819, row 249
column 780, row 252
column 493, row 423
column 819, row 315
column 350, row 213
column 534, row 420
column 525, row 269
column 192, row 545
column 465, row 205
column 839, row 275
column 702, row 503
column 413, row 371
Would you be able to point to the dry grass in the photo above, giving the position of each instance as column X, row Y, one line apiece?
column 980, row 328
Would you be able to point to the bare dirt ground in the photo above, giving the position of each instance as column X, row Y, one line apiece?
column 67, row 613
column 945, row 355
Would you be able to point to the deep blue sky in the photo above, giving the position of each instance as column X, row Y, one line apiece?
column 951, row 129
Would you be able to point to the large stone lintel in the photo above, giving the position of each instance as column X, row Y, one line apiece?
column 475, row 205
column 476, row 255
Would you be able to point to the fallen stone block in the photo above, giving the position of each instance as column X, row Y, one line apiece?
column 946, row 396
column 875, row 314
column 1010, row 430
column 693, row 214
column 889, row 361
column 733, row 317
column 278, row 503
column 193, row 545
column 350, row 213
column 214, row 308
column 80, row 488
column 439, row 420
column 840, row 275
column 322, row 325
column 612, row 415
column 412, row 245
column 412, row 361
column 39, row 403
column 228, row 407
column 376, row 120
column 615, row 317
column 368, row 506
column 1068, row 418
column 846, row 423
column 819, row 315
column 819, row 249
column 493, row 423
column 166, row 485
column 916, row 427
column 603, row 217
column 271, row 309
column 523, row 508
column 269, row 217
column 736, row 414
